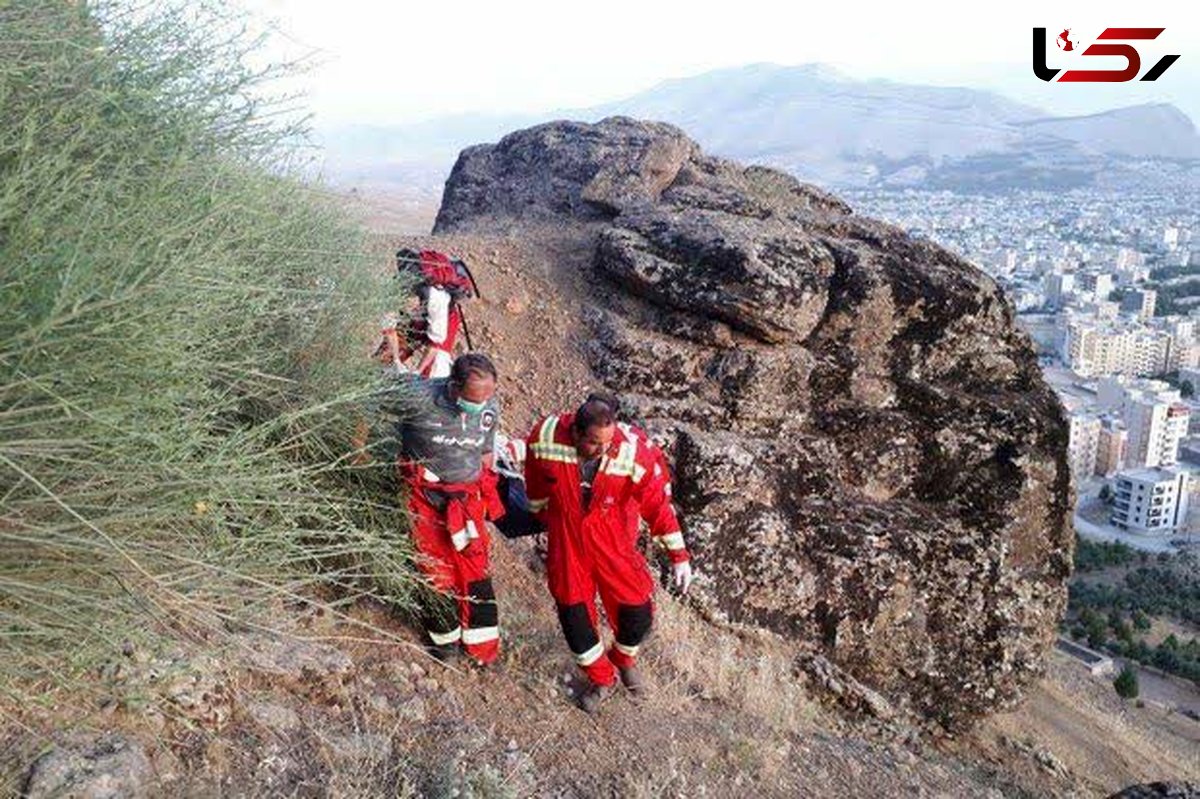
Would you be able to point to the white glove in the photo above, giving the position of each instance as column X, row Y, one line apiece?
column 683, row 576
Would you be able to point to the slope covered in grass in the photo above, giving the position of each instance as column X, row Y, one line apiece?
column 181, row 359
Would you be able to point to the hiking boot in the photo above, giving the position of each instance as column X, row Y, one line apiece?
column 475, row 664
column 446, row 654
column 593, row 696
column 633, row 680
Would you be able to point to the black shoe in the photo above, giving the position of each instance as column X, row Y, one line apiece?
column 633, row 680
column 446, row 654
column 593, row 696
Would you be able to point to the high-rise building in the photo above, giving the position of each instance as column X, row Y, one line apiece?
column 1182, row 331
column 1092, row 349
column 1155, row 429
column 1111, row 442
column 1056, row 286
column 1099, row 285
column 1127, row 258
column 1082, row 443
column 1150, row 500
column 1140, row 302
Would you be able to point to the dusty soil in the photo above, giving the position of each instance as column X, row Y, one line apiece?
column 355, row 708
column 526, row 318
column 1073, row 735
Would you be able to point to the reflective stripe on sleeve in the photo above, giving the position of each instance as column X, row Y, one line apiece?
column 548, row 428
column 472, row 531
column 548, row 449
column 441, row 639
column 591, row 656
column 480, row 635
column 555, row 452
column 672, row 541
column 538, row 505
column 460, row 539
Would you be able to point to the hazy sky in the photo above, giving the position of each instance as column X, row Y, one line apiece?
column 396, row 62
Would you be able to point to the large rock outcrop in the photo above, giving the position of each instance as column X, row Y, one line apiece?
column 867, row 458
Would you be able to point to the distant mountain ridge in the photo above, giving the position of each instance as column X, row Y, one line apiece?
column 828, row 128
column 1156, row 130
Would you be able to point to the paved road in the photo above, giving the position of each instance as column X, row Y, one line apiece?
column 1176, row 693
column 1096, row 532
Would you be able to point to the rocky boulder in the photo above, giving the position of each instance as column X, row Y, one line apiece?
column 867, row 458
column 1160, row 790
column 106, row 767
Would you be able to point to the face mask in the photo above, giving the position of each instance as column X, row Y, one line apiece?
column 473, row 408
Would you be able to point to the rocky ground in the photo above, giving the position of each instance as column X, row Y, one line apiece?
column 345, row 702
column 336, row 710
column 339, row 709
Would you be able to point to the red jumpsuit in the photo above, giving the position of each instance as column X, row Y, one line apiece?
column 594, row 548
column 453, row 548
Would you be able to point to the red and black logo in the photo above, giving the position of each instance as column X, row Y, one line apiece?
column 1108, row 44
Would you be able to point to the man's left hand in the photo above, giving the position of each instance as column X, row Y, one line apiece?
column 683, row 576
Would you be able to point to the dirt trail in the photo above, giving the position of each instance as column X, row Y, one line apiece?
column 532, row 292
column 340, row 711
column 728, row 713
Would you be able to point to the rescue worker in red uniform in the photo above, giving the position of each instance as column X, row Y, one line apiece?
column 590, row 479
column 438, row 331
column 447, row 434
column 443, row 321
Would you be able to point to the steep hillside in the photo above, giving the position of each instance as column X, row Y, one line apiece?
column 352, row 707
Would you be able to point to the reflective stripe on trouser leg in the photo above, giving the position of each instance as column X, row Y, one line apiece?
column 445, row 639
column 633, row 623
column 481, row 636
column 585, row 644
column 440, row 618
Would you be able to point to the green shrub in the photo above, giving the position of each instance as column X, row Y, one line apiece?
column 1126, row 683
column 1093, row 555
column 1097, row 633
column 180, row 359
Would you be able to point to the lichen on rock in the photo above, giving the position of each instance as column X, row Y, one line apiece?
column 868, row 460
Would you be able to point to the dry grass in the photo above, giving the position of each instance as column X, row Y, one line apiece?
column 181, row 320
column 757, row 674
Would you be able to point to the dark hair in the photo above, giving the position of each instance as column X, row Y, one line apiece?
column 593, row 413
column 408, row 269
column 472, row 363
column 608, row 398
column 407, row 261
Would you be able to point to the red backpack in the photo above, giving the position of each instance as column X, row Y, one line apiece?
column 438, row 269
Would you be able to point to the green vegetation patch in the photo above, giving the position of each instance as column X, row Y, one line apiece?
column 181, row 347
column 1116, row 593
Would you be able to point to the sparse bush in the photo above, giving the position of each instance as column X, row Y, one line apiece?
column 1097, row 633
column 1126, row 683
column 180, row 365
column 1093, row 555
